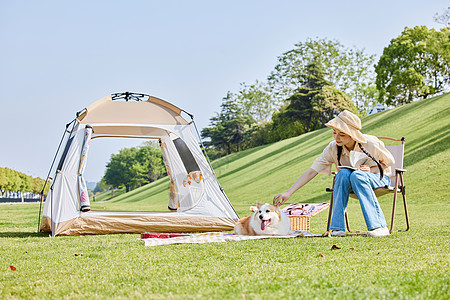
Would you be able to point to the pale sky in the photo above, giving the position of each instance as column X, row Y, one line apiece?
column 57, row 57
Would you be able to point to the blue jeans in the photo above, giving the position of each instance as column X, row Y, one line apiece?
column 362, row 184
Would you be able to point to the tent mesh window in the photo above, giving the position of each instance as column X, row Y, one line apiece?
column 186, row 156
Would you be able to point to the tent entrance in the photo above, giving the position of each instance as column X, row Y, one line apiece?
column 154, row 198
column 184, row 184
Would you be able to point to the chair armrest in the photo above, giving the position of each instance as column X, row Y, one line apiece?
column 400, row 170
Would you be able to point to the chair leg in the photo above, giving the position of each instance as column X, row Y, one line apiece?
column 394, row 203
column 399, row 178
column 330, row 212
column 346, row 222
column 404, row 201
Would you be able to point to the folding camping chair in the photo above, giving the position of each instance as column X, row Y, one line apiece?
column 396, row 178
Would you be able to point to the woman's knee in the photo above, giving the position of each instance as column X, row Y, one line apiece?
column 358, row 176
column 343, row 175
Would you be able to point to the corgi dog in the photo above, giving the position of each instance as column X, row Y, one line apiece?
column 267, row 220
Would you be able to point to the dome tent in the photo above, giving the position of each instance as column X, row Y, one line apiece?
column 196, row 198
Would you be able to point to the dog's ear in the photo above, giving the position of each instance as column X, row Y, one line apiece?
column 277, row 205
column 258, row 205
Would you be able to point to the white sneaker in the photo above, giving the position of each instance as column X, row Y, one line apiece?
column 381, row 231
column 338, row 233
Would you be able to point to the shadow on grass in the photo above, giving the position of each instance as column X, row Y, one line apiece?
column 325, row 197
column 26, row 234
column 312, row 152
column 424, row 147
column 146, row 192
column 237, row 155
column 143, row 192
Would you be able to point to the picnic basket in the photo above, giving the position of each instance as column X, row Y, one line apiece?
column 300, row 214
column 299, row 222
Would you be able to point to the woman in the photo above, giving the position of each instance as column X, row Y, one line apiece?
column 374, row 173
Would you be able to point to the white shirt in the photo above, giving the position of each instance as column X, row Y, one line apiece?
column 373, row 146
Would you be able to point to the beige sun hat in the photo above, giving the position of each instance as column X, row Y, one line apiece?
column 348, row 123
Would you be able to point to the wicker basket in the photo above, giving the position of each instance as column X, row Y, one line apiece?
column 299, row 222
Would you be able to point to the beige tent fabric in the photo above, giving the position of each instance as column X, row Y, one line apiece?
column 136, row 223
column 138, row 131
column 139, row 112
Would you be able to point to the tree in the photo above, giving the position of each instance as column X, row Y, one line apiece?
column 229, row 128
column 149, row 164
column 25, row 183
column 350, row 70
column 119, row 170
column 102, row 186
column 134, row 167
column 415, row 65
column 330, row 102
column 2, row 180
column 256, row 102
column 37, row 185
column 444, row 18
column 303, row 103
column 216, row 134
column 316, row 102
column 14, row 181
column 360, row 83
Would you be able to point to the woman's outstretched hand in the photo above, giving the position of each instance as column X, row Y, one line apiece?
column 279, row 199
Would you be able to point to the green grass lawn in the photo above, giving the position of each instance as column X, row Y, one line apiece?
column 405, row 265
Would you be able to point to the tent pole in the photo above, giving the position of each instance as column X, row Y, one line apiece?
column 51, row 211
column 48, row 175
column 209, row 162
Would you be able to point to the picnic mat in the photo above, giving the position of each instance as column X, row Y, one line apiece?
column 218, row 237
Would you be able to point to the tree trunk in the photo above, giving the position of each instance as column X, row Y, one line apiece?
column 309, row 123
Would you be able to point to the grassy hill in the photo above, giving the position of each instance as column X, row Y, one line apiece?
column 404, row 265
column 260, row 173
